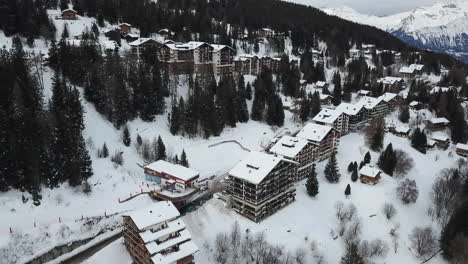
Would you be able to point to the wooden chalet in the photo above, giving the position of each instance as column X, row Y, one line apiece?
column 462, row 150
column 261, row 184
column 326, row 99
column 125, row 28
column 69, row 14
column 321, row 85
column 415, row 105
column 401, row 130
column 325, row 138
column 441, row 141
column 296, row 149
column 369, row 175
column 437, row 124
column 156, row 235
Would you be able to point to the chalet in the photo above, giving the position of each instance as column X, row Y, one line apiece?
column 266, row 33
column 130, row 37
column 261, row 184
column 296, row 149
column 364, row 93
column 392, row 99
column 303, row 83
column 431, row 144
column 156, row 235
column 411, row 71
column 357, row 114
column 316, row 55
column 223, row 60
column 165, row 33
column 401, row 130
column 370, row 48
column 376, row 107
column 436, row 124
column 172, row 177
column 415, row 105
column 369, row 175
column 392, row 84
column 441, row 141
column 326, row 99
column 69, row 14
column 354, row 53
column 462, row 150
column 321, row 85
column 324, row 137
column 125, row 28
column 141, row 44
column 334, row 118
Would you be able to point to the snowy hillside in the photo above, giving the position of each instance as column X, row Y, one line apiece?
column 441, row 27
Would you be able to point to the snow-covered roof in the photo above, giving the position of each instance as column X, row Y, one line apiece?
column 125, row 24
column 321, row 84
column 255, row 167
column 412, row 68
column 289, row 146
column 133, row 35
column 69, row 10
column 439, row 137
column 368, row 46
column 387, row 97
column 174, row 170
column 414, row 103
column 140, row 41
column 314, row 132
column 324, row 96
column 327, row 116
column 402, row 129
column 462, row 146
column 390, row 80
column 354, row 50
column 109, row 44
column 217, row 47
column 185, row 249
column 370, row 102
column 186, row 46
column 350, row 109
column 172, row 227
column 153, row 214
column 438, row 89
column 439, row 120
column 314, row 51
column 369, row 171
column 364, row 92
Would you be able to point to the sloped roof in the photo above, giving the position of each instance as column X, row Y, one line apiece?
column 175, row 170
column 369, row 171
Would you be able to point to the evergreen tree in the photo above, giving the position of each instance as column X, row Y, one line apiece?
column 352, row 255
column 354, row 175
column 312, row 184
column 65, row 33
column 331, row 170
column 387, row 160
column 139, row 140
column 367, row 158
column 174, row 124
column 404, row 114
column 351, row 166
column 105, row 151
column 337, row 90
column 315, row 104
column 126, row 139
column 347, row 191
column 161, row 150
column 305, row 109
column 419, row 140
column 183, row 159
column 248, row 92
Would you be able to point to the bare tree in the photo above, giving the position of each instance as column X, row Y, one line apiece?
column 423, row 241
column 408, row 192
column 404, row 163
column 374, row 248
column 389, row 210
column 445, row 191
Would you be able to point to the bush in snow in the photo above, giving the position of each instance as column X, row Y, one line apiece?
column 407, row 191
column 117, row 158
column 389, row 210
column 404, row 163
column 374, row 248
column 423, row 241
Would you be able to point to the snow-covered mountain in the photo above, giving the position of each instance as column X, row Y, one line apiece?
column 442, row 27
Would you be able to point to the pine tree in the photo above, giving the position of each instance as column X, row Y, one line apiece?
column 331, row 170
column 105, row 151
column 248, row 92
column 419, row 140
column 126, row 139
column 161, row 150
column 315, row 104
column 367, row 158
column 352, row 255
column 305, row 109
column 354, row 175
column 65, row 33
column 387, row 160
column 312, row 184
column 348, row 190
column 404, row 114
column 337, row 90
column 139, row 140
column 183, row 159
column 351, row 167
